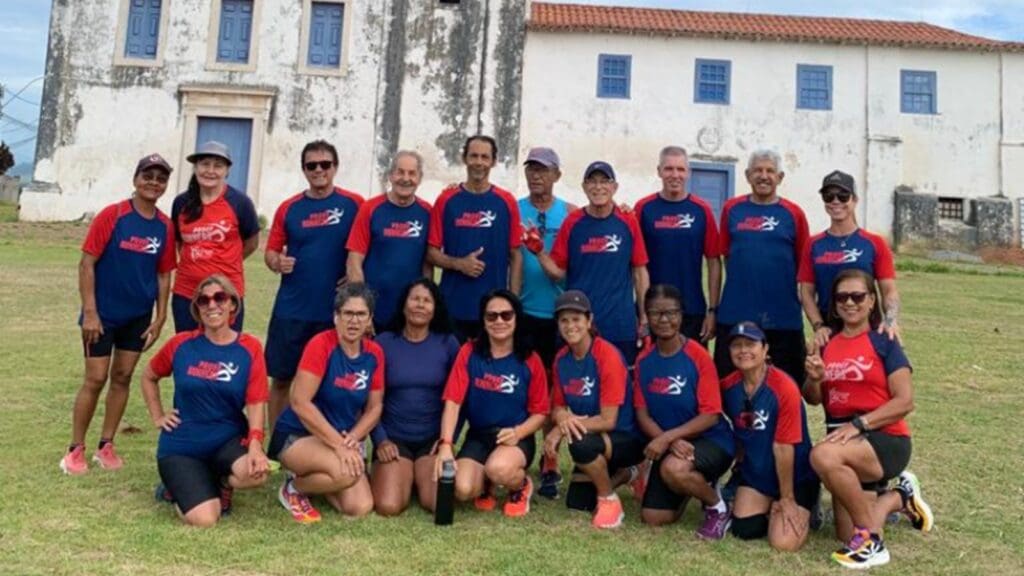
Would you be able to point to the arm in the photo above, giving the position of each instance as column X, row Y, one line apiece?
column 707, row 331
column 641, row 282
column 249, row 245
column 814, row 366
column 304, row 388
column 370, row 416
column 647, row 424
column 550, row 268
column 515, row 271
column 258, row 465
column 891, row 303
column 92, row 328
column 152, row 333
column 809, row 302
column 603, row 422
column 151, row 395
column 354, row 267
column 784, row 455
column 897, row 408
column 469, row 265
column 445, row 448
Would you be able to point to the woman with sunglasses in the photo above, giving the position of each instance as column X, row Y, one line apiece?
column 863, row 380
column 419, row 350
column 500, row 387
column 216, row 228
column 776, row 486
column 678, row 407
column 842, row 246
column 336, row 400
column 211, row 442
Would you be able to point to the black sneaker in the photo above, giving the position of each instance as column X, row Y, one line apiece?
column 916, row 509
column 549, row 483
column 162, row 494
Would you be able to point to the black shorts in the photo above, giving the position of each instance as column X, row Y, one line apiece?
column 410, row 450
column 184, row 322
column 479, row 444
column 708, row 458
column 542, row 336
column 192, row 481
column 286, row 339
column 787, row 351
column 805, row 493
column 280, row 441
column 692, row 325
column 893, row 452
column 627, row 448
column 126, row 337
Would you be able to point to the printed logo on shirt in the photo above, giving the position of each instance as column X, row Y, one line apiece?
column 837, row 396
column 671, row 386
column 480, row 219
column 219, row 371
column 758, row 224
column 840, row 257
column 353, row 381
column 329, row 217
column 675, row 221
column 580, row 386
column 198, row 253
column 849, row 369
column 609, row 243
column 756, row 420
column 502, row 383
column 147, row 245
column 215, row 232
column 410, row 229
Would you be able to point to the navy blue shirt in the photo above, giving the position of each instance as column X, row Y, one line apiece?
column 600, row 379
column 497, row 392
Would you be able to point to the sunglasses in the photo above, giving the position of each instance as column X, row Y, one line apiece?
column 829, row 197
column 542, row 223
column 505, row 315
column 844, row 297
column 218, row 298
column 323, row 165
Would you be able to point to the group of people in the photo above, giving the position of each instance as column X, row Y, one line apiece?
column 590, row 325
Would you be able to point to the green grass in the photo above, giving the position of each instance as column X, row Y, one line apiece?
column 964, row 334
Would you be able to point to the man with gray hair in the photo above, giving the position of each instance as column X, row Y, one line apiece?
column 388, row 244
column 680, row 233
column 762, row 240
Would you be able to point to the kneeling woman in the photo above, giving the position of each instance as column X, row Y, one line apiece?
column 501, row 388
column 776, row 488
column 679, row 406
column 211, row 442
column 863, row 378
column 336, row 399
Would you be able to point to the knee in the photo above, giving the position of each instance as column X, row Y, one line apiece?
column 501, row 472
column 94, row 383
column 203, row 516
column 120, row 377
column 750, row 527
column 465, row 488
column 388, row 505
column 675, row 470
column 587, row 450
column 360, row 508
column 824, row 457
column 653, row 517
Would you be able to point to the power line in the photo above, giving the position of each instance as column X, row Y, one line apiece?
column 23, row 88
column 20, row 142
column 21, row 123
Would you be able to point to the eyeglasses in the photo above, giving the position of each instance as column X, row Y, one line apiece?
column 829, row 197
column 669, row 314
column 159, row 178
column 844, row 297
column 505, row 315
column 350, row 315
column 323, row 165
column 218, row 298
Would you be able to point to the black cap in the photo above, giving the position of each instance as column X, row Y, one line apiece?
column 839, row 179
column 572, row 300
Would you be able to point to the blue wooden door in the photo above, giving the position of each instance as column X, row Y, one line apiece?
column 711, row 184
column 237, row 134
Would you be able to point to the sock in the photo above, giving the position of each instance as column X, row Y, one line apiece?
column 613, row 496
column 103, row 442
column 721, row 508
column 549, row 464
column 72, row 446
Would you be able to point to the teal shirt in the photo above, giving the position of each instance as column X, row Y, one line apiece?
column 539, row 291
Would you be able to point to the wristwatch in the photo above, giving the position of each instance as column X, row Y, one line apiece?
column 818, row 324
column 712, row 309
column 858, row 423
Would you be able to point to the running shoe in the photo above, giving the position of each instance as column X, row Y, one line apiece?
column 107, row 458
column 162, row 494
column 297, row 504
column 715, row 524
column 609, row 513
column 864, row 550
column 486, row 502
column 549, row 483
column 916, row 509
column 638, row 476
column 227, row 493
column 73, row 463
column 518, row 503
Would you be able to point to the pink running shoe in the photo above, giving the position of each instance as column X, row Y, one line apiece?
column 107, row 458
column 73, row 463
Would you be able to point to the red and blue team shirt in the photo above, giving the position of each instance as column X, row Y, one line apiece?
column 213, row 383
column 345, row 383
column 676, row 389
column 462, row 222
column 315, row 231
column 762, row 244
column 393, row 240
column 600, row 379
column 131, row 251
column 857, row 373
column 678, row 235
column 213, row 243
column 497, row 392
column 827, row 255
column 775, row 413
column 598, row 255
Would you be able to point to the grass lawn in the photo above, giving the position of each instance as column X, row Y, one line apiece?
column 964, row 334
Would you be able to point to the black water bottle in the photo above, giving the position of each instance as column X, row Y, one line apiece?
column 444, row 505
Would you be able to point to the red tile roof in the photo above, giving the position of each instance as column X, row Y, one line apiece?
column 616, row 19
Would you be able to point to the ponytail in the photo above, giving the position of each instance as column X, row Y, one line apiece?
column 193, row 208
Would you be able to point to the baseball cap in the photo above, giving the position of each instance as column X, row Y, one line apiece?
column 599, row 166
column 544, row 156
column 211, row 148
column 747, row 330
column 839, row 179
column 572, row 300
column 152, row 161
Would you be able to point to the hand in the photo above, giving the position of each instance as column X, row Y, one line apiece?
column 152, row 334
column 285, row 263
column 387, row 451
column 822, row 334
column 682, row 449
column 444, row 453
column 169, row 421
column 92, row 328
column 349, row 441
column 793, row 517
column 471, row 265
column 552, row 443
column 643, row 328
column 889, row 326
column 571, row 427
column 656, row 448
column 258, row 465
column 351, row 461
column 843, row 434
column 625, row 208
column 707, row 329
column 814, row 365
column 508, row 436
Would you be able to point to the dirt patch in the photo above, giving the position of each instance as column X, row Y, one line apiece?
column 1008, row 256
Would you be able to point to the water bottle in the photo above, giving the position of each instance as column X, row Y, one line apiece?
column 444, row 505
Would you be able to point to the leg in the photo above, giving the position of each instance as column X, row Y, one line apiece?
column 426, row 485
column 203, row 515
column 183, row 320
column 723, row 362
column 469, row 479
column 195, row 488
column 788, row 351
column 591, row 456
column 391, row 483
column 121, row 370
column 506, row 466
column 683, row 478
column 355, row 501
column 661, row 505
column 96, row 370
column 316, row 467
column 278, row 401
column 842, row 469
column 750, row 514
column 240, row 478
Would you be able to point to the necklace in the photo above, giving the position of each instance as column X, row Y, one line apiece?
column 843, row 239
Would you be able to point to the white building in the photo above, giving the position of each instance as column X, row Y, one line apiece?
column 893, row 103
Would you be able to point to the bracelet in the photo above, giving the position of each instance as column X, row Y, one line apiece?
column 859, row 424
column 444, row 441
column 255, row 435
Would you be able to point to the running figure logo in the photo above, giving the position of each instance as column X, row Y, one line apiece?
column 219, row 371
column 216, row 232
column 329, row 217
column 849, row 369
column 580, row 386
column 482, row 219
column 353, row 381
column 758, row 224
column 410, row 229
column 147, row 245
column 502, row 383
column 760, row 420
column 227, row 370
column 608, row 244
column 671, row 386
column 675, row 221
column 850, row 256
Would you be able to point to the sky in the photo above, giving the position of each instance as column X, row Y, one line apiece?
column 24, row 25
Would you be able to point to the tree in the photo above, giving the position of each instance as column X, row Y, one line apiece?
column 6, row 158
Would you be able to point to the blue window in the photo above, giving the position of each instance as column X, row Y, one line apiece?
column 325, row 35
column 613, row 75
column 918, row 92
column 813, row 87
column 143, row 34
column 711, row 81
column 235, row 31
